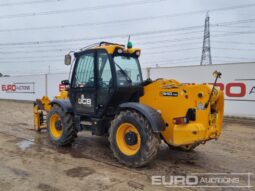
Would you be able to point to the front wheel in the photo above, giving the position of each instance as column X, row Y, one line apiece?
column 132, row 140
column 60, row 127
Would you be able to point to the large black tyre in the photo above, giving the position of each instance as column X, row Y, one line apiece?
column 60, row 127
column 149, row 141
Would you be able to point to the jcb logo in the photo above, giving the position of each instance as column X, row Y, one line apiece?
column 84, row 101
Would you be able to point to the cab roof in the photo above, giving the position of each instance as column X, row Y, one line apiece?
column 111, row 47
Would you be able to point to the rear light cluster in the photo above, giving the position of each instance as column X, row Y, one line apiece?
column 190, row 116
column 181, row 120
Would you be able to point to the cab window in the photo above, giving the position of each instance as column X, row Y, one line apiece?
column 127, row 70
column 84, row 72
column 104, row 70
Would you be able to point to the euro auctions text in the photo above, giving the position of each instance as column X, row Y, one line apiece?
column 24, row 87
column 231, row 180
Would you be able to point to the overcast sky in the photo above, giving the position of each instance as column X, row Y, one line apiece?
column 36, row 34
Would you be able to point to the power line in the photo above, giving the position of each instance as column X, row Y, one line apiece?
column 234, row 58
column 119, row 36
column 114, row 22
column 168, row 46
column 171, row 64
column 68, row 44
column 85, row 39
column 28, row 2
column 190, row 62
column 237, row 32
column 142, row 61
column 232, row 22
column 216, row 58
column 221, row 61
column 80, row 44
column 141, row 43
column 232, row 34
column 233, row 42
column 145, row 52
column 242, row 26
column 72, row 44
column 27, row 57
column 89, row 24
column 169, row 51
column 170, row 60
column 171, row 40
column 122, row 5
column 42, row 50
column 70, row 47
column 82, row 9
column 235, row 49
column 39, row 60
column 93, row 38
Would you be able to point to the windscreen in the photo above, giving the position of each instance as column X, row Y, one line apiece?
column 128, row 70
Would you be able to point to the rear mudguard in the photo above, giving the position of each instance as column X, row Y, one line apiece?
column 153, row 116
column 65, row 104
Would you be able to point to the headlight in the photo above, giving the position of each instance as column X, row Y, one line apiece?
column 137, row 53
column 120, row 51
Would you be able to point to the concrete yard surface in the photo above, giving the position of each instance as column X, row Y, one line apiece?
column 28, row 161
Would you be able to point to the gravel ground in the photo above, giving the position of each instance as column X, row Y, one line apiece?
column 28, row 161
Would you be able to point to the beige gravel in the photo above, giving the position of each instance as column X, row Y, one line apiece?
column 28, row 161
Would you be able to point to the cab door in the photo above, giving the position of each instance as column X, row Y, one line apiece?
column 82, row 92
column 105, row 85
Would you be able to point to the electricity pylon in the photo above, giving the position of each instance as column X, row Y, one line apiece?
column 206, row 57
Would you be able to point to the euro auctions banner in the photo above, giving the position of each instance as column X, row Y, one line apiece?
column 237, row 83
column 22, row 87
column 239, row 90
column 31, row 87
column 19, row 87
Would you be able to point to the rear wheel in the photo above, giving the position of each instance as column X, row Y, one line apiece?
column 132, row 140
column 60, row 127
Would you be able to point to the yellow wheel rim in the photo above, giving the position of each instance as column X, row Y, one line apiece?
column 127, row 148
column 55, row 132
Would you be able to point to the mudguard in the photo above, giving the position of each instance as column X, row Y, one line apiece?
column 65, row 104
column 153, row 116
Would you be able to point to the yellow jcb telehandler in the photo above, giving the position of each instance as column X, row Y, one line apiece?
column 106, row 94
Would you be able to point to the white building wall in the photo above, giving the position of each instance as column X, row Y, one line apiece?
column 238, row 83
column 54, row 80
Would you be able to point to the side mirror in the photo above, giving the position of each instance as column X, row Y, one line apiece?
column 68, row 59
column 65, row 82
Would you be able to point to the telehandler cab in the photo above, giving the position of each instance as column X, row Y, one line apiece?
column 107, row 95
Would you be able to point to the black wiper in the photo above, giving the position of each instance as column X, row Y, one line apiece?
column 124, row 73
